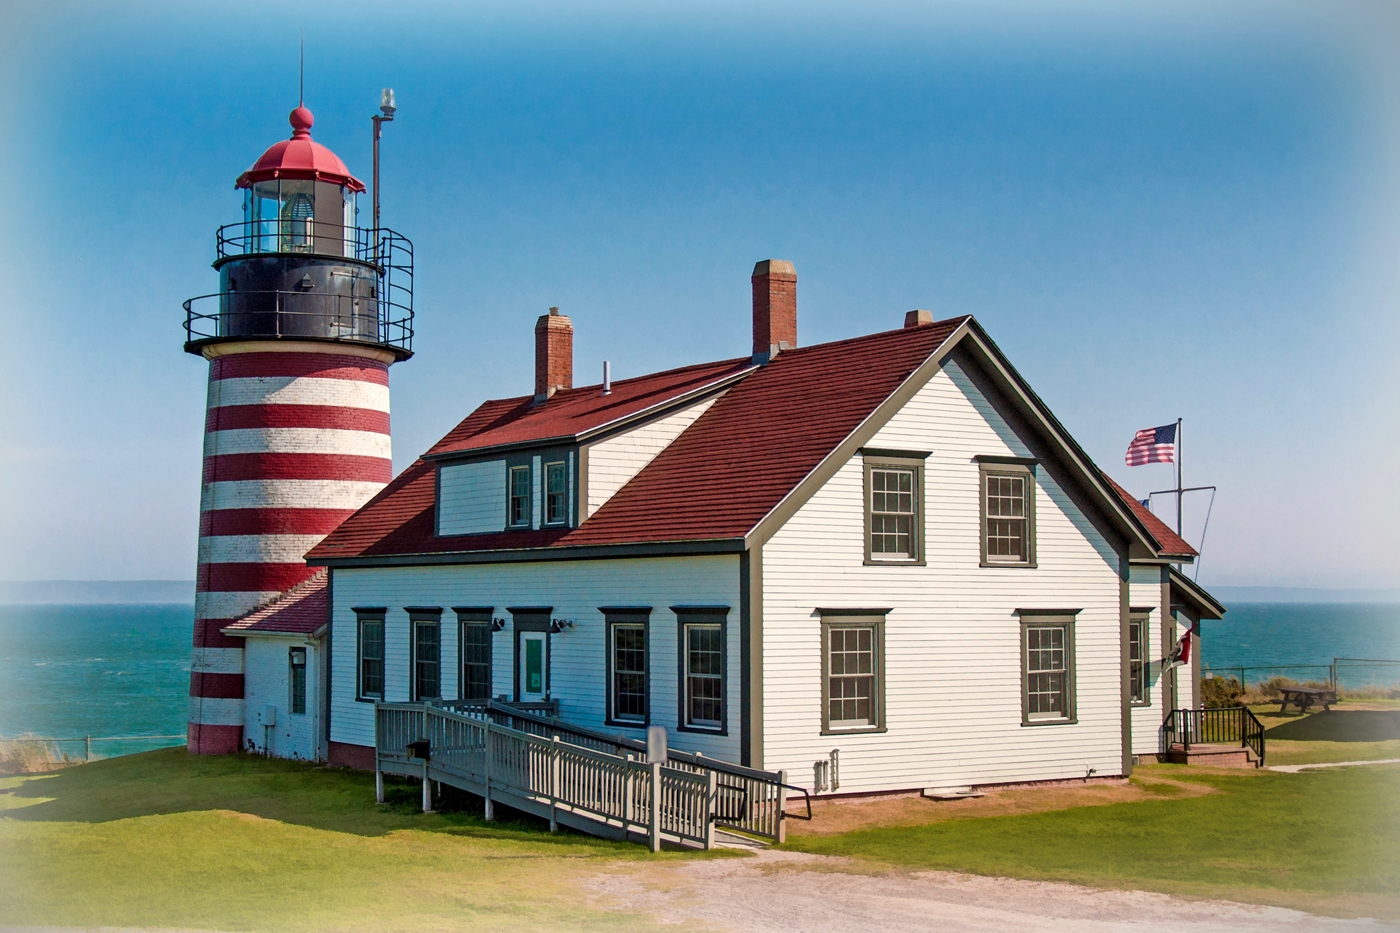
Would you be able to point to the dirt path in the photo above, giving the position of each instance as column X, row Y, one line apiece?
column 778, row 892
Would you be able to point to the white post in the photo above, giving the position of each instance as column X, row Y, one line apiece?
column 554, row 784
column 627, row 790
column 490, row 809
column 709, row 812
column 654, row 829
column 782, row 807
column 87, row 745
column 427, row 789
column 378, row 786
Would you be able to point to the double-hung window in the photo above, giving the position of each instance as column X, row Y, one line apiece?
column 518, row 507
column 370, row 624
column 556, row 497
column 1047, row 667
column 296, row 661
column 1137, row 660
column 1008, row 512
column 852, row 672
column 894, row 493
column 627, row 665
column 426, row 676
column 474, row 644
column 702, row 667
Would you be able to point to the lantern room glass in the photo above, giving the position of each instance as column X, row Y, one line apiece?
column 293, row 215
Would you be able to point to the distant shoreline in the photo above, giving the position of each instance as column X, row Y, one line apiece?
column 96, row 592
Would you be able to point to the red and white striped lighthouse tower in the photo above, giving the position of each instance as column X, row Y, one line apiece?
column 311, row 312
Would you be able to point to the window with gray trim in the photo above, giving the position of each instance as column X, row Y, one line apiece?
column 894, row 523
column 556, row 494
column 474, row 646
column 852, row 673
column 1137, row 660
column 370, row 635
column 627, row 667
column 518, row 508
column 427, row 657
column 1008, row 514
column 1047, row 669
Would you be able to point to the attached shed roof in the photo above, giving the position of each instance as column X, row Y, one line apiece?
column 302, row 610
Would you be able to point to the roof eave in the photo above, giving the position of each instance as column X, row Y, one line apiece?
column 1207, row 605
column 636, row 549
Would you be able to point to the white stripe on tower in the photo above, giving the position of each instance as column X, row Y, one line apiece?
column 296, row 438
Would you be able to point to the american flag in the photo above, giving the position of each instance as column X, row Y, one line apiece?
column 1153, row 445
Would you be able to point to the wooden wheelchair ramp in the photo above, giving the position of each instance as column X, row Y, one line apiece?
column 574, row 777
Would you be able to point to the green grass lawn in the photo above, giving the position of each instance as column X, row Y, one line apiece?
column 237, row 843
column 1322, row 840
column 1341, row 735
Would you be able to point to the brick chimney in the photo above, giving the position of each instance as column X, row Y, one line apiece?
column 554, row 354
column 918, row 318
column 774, row 308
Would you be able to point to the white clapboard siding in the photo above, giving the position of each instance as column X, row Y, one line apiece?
column 267, row 682
column 1145, row 589
column 613, row 462
column 952, row 655
column 578, row 662
column 472, row 498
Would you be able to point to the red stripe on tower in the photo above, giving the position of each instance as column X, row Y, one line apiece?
column 301, row 443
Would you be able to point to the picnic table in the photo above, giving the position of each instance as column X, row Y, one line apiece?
column 1305, row 697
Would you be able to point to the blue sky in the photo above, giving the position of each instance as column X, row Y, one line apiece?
column 1174, row 212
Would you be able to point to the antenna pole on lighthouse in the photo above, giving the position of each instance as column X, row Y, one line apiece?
column 386, row 115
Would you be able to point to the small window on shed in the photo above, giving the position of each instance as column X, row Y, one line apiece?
column 296, row 659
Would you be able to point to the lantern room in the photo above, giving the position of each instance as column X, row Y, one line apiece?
column 298, row 265
column 299, row 197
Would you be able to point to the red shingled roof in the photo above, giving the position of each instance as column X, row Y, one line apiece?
column 1172, row 544
column 299, row 611
column 716, row 481
column 570, row 413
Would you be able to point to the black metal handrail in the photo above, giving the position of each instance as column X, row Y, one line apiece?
column 350, row 318
column 384, row 318
column 1187, row 727
column 308, row 237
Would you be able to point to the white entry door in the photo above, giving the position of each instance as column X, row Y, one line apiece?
column 532, row 666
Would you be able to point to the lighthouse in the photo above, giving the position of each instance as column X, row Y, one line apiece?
column 312, row 310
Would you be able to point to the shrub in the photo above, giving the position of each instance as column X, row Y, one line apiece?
column 30, row 754
column 1219, row 692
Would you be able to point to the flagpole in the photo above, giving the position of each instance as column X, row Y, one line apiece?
column 1178, row 477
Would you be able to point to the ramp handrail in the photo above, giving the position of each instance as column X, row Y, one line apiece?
column 625, row 792
column 750, row 800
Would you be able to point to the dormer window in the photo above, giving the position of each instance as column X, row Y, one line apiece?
column 519, row 509
column 556, row 499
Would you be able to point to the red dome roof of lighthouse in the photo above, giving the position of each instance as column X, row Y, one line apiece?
column 300, row 157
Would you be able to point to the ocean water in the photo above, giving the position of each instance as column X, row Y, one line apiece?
column 1299, row 640
column 99, row 670
column 124, row 669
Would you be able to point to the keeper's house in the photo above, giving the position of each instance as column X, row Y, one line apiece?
column 886, row 546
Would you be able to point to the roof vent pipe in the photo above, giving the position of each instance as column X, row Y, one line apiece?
column 607, row 378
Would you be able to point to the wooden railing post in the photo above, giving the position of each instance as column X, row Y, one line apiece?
column 554, row 784
column 427, row 789
column 781, row 829
column 654, row 829
column 378, row 781
column 628, row 792
column 708, row 811
column 490, row 809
